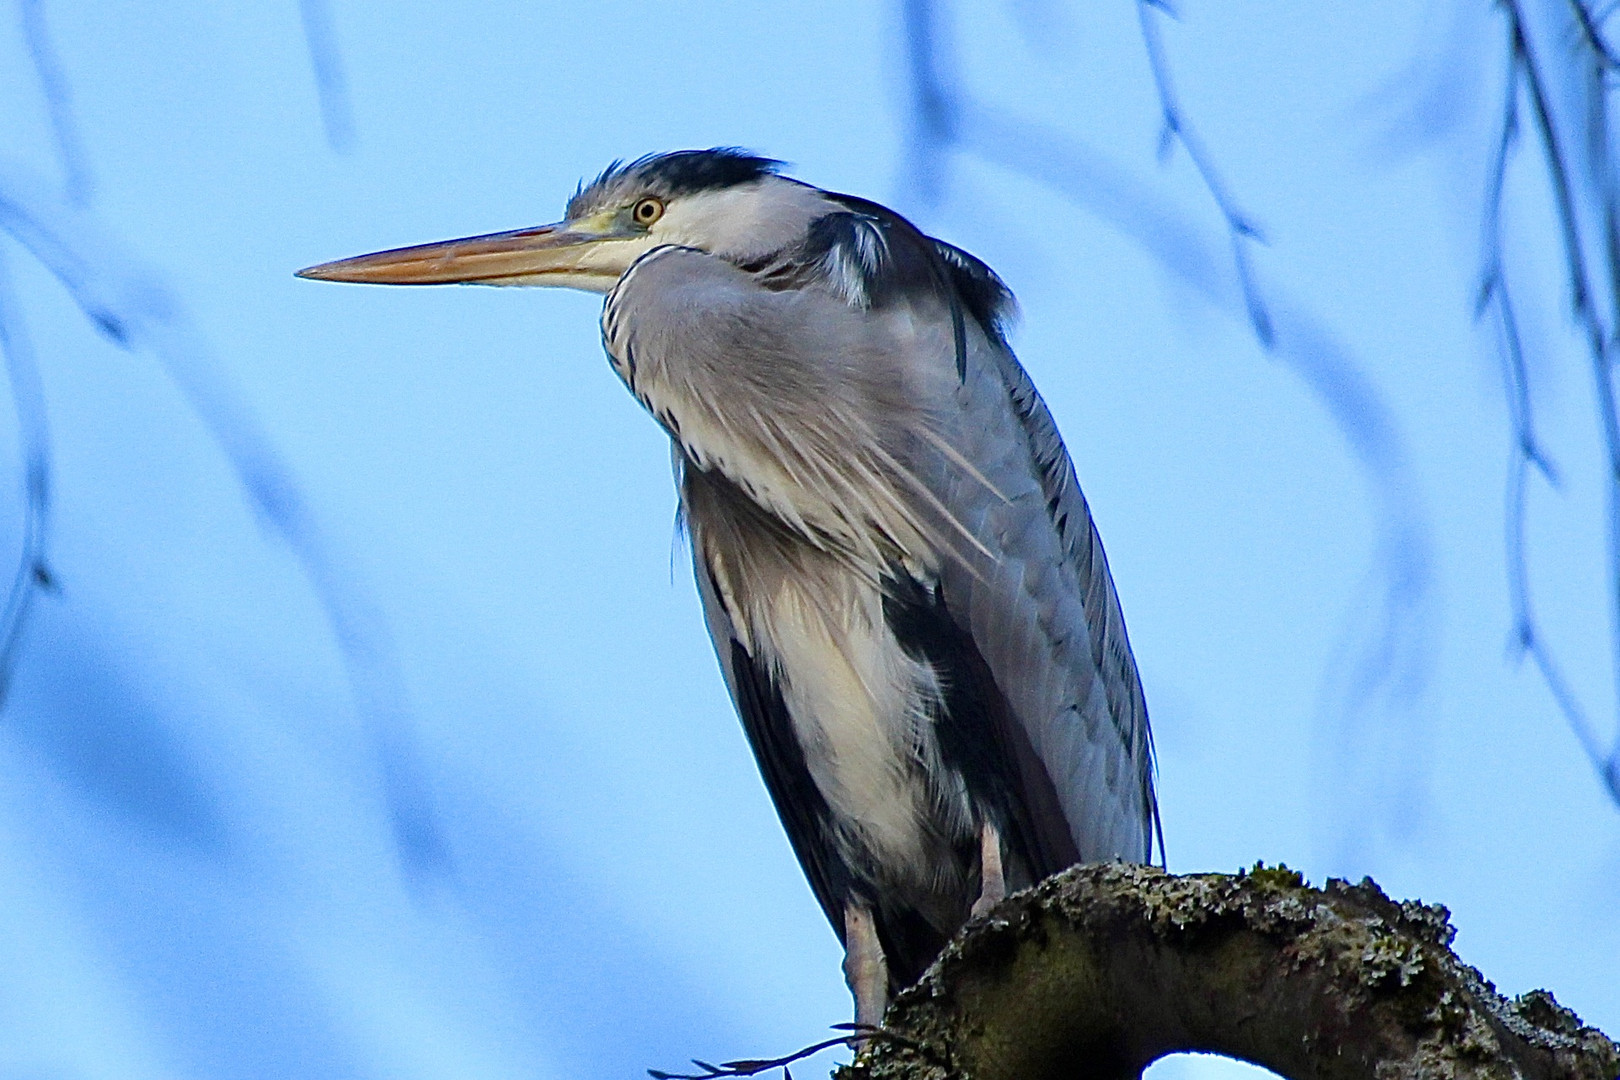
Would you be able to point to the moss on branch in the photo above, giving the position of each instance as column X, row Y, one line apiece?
column 1101, row 970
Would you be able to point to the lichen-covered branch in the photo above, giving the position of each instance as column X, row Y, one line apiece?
column 1101, row 970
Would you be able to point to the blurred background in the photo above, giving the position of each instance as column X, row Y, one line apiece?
column 360, row 718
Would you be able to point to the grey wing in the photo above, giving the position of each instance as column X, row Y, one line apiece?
column 1043, row 612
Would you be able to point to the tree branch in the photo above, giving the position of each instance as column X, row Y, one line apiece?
column 1103, row 969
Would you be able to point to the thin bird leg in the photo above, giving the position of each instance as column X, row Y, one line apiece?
column 865, row 969
column 992, row 881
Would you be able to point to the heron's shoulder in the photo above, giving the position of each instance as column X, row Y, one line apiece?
column 871, row 257
column 985, row 296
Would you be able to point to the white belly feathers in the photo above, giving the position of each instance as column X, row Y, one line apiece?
column 861, row 711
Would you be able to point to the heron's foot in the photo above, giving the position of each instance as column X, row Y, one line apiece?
column 865, row 969
column 992, row 880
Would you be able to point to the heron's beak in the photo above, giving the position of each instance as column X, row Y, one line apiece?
column 569, row 254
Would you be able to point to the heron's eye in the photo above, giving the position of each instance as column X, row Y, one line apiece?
column 647, row 211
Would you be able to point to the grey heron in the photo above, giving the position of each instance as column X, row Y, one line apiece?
column 906, row 592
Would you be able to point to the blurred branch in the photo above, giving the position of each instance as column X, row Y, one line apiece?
column 331, row 85
column 1395, row 656
column 33, row 437
column 1594, row 36
column 1114, row 966
column 58, row 102
column 132, row 306
column 931, row 128
column 1567, row 96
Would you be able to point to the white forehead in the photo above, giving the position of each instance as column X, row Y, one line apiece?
column 745, row 221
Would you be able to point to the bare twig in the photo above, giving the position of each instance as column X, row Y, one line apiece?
column 1527, row 637
column 1240, row 229
column 1493, row 290
column 1584, row 197
column 58, row 102
column 331, row 84
column 33, row 437
column 753, row 1066
column 860, row 1035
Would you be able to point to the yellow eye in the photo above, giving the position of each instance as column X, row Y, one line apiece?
column 647, row 211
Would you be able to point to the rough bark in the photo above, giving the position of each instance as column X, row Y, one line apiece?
column 1101, row 970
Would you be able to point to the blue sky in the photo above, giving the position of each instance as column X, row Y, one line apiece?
column 194, row 811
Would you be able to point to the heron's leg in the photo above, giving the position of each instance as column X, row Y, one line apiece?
column 864, row 967
column 992, row 881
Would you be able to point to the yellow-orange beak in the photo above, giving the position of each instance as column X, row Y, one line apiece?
column 563, row 254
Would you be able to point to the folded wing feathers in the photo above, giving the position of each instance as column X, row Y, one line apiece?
column 1045, row 613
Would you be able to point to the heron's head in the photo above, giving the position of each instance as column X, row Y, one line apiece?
column 722, row 201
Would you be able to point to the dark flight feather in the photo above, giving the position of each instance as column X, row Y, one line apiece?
column 977, row 735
